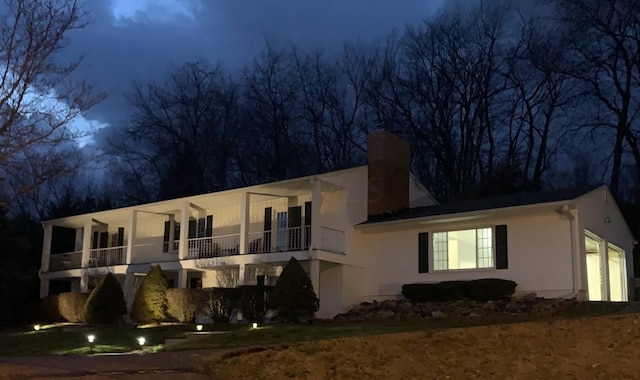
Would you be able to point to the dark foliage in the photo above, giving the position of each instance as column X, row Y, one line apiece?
column 184, row 304
column 480, row 290
column 221, row 303
column 254, row 302
column 150, row 302
column 106, row 303
column 293, row 297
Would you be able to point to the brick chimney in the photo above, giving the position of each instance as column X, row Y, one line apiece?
column 388, row 183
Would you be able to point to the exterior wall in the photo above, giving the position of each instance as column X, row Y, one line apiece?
column 331, row 290
column 599, row 213
column 539, row 252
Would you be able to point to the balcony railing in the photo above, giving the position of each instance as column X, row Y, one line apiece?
column 331, row 240
column 224, row 245
column 107, row 256
column 64, row 261
column 283, row 240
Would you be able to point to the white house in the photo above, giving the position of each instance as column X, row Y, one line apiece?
column 360, row 233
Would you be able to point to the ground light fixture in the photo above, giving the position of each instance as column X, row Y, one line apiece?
column 141, row 341
column 199, row 327
column 91, row 338
column 254, row 325
column 37, row 327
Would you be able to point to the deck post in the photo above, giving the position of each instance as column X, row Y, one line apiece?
column 244, row 222
column 184, row 230
column 316, row 201
column 133, row 222
column 46, row 249
column 86, row 244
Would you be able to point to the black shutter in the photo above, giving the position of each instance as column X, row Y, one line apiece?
column 192, row 229
column 423, row 252
column 120, row 236
column 176, row 231
column 307, row 213
column 165, row 237
column 502, row 259
column 167, row 231
column 96, row 239
column 209, row 230
column 104, row 240
column 294, row 217
column 268, row 215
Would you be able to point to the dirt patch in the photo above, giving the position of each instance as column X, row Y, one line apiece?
column 596, row 348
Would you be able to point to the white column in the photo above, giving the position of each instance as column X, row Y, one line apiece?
column 182, row 278
column 128, row 289
column 84, row 283
column 133, row 222
column 184, row 231
column 44, row 286
column 316, row 201
column 172, row 231
column 86, row 243
column 244, row 221
column 241, row 274
column 314, row 275
column 46, row 248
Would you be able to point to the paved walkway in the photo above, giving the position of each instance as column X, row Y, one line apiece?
column 177, row 365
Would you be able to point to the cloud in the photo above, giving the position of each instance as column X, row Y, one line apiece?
column 132, row 41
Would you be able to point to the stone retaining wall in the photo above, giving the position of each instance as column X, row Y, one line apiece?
column 528, row 307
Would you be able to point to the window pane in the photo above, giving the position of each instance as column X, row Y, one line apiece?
column 465, row 249
column 440, row 251
column 462, row 249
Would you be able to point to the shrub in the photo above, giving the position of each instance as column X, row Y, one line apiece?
column 150, row 302
column 254, row 302
column 106, row 302
column 293, row 297
column 71, row 306
column 50, row 309
column 220, row 303
column 480, row 290
column 183, row 304
column 487, row 289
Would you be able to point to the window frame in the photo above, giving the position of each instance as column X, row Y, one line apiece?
column 432, row 250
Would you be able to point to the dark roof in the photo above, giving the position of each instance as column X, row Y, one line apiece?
column 511, row 200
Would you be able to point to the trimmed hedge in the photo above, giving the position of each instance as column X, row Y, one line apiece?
column 106, row 303
column 485, row 289
column 184, row 304
column 150, row 301
column 293, row 296
column 71, row 306
column 221, row 302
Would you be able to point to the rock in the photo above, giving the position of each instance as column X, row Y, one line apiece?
column 489, row 305
column 386, row 313
column 437, row 314
column 529, row 297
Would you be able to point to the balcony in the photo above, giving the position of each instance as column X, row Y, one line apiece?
column 65, row 261
column 102, row 257
column 225, row 245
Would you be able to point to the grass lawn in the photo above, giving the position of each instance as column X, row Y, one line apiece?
column 72, row 339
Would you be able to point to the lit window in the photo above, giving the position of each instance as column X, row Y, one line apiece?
column 466, row 249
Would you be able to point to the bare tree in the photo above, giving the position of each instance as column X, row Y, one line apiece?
column 38, row 98
column 604, row 37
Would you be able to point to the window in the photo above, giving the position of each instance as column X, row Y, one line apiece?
column 465, row 249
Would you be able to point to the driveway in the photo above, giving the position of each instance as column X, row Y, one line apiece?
column 177, row 365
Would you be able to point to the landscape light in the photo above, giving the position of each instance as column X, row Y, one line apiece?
column 37, row 327
column 91, row 338
column 141, row 341
column 199, row 327
column 255, row 325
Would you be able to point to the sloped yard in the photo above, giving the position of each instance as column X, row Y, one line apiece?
column 596, row 347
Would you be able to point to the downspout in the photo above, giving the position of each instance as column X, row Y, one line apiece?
column 568, row 214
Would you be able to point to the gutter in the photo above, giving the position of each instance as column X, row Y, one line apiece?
column 456, row 217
